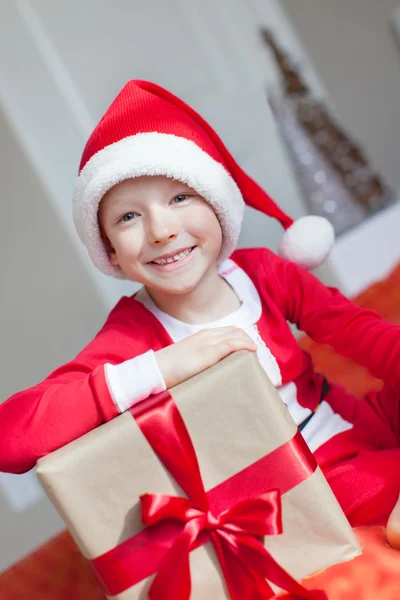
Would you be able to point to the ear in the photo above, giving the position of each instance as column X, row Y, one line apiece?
column 112, row 255
column 113, row 258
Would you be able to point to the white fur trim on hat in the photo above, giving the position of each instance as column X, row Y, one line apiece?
column 154, row 154
column 308, row 241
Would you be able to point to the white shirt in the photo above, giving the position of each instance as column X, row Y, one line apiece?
column 139, row 377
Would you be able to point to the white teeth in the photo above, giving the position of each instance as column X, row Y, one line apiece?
column 164, row 261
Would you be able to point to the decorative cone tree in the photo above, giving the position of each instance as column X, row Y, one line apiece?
column 336, row 178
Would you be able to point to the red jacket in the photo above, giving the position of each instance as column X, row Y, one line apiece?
column 75, row 398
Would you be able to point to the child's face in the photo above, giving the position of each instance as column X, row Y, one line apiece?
column 146, row 218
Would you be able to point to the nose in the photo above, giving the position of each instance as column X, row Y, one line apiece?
column 162, row 227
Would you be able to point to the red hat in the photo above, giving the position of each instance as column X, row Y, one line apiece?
column 149, row 131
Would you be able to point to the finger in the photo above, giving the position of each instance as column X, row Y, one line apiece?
column 229, row 345
column 239, row 334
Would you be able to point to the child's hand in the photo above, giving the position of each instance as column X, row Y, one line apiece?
column 200, row 351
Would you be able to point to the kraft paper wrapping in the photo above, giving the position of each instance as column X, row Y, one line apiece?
column 234, row 416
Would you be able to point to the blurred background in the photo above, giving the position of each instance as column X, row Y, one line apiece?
column 305, row 94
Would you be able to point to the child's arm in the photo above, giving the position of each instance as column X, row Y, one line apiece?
column 71, row 401
column 330, row 318
column 101, row 383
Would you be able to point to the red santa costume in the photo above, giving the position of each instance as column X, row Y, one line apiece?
column 148, row 131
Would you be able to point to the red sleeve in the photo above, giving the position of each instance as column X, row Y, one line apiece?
column 328, row 317
column 70, row 402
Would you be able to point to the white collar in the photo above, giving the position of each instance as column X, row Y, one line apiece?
column 246, row 315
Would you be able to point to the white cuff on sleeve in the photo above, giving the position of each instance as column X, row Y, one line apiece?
column 134, row 380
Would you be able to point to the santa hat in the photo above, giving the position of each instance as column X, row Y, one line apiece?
column 149, row 131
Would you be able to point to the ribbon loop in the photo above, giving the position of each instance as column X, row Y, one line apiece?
column 159, row 507
column 258, row 516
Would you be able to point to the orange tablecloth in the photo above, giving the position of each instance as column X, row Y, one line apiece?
column 375, row 575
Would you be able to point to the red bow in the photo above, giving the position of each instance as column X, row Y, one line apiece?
column 242, row 511
column 245, row 562
column 230, row 532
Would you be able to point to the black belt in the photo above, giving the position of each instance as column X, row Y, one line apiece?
column 324, row 391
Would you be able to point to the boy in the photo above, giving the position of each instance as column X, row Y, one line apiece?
column 160, row 200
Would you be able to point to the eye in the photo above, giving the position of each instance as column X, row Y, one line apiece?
column 180, row 198
column 128, row 217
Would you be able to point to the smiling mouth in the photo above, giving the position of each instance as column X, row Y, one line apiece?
column 174, row 259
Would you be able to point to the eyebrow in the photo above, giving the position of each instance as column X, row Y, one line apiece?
column 119, row 203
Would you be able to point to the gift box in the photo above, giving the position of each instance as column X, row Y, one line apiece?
column 207, row 490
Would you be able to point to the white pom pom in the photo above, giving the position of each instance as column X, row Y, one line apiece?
column 308, row 241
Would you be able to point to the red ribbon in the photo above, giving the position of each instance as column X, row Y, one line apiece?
column 233, row 516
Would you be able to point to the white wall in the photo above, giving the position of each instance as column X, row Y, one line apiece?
column 49, row 310
column 353, row 47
